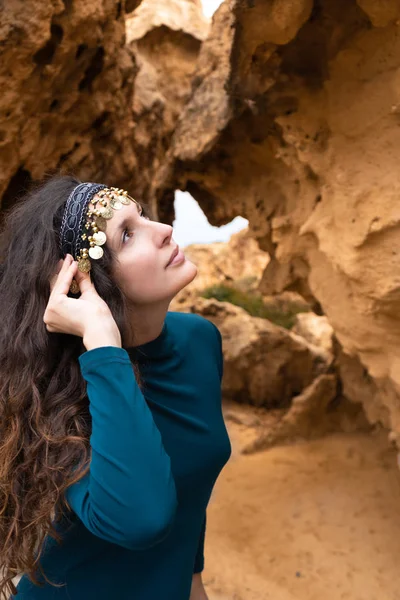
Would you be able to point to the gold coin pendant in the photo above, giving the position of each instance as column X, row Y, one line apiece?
column 101, row 223
column 106, row 213
column 115, row 204
column 100, row 238
column 96, row 252
column 124, row 199
column 74, row 287
column 84, row 265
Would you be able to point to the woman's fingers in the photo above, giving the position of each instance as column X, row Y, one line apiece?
column 60, row 282
column 67, row 315
column 84, row 281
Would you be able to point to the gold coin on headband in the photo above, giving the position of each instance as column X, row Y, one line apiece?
column 106, row 213
column 124, row 199
column 84, row 265
column 115, row 204
column 101, row 223
column 100, row 238
column 74, row 287
column 96, row 252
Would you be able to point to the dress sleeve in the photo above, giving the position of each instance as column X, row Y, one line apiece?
column 128, row 496
column 219, row 351
column 199, row 560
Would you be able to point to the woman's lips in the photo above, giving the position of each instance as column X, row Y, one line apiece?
column 178, row 259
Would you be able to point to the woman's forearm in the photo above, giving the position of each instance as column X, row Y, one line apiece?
column 198, row 592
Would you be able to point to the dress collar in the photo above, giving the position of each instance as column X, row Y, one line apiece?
column 159, row 348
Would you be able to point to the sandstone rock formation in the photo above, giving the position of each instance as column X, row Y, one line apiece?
column 311, row 415
column 164, row 37
column 286, row 112
column 270, row 367
column 264, row 365
column 316, row 330
column 239, row 265
column 82, row 93
column 293, row 124
column 67, row 80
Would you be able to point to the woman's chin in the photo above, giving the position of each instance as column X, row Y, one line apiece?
column 188, row 272
column 193, row 269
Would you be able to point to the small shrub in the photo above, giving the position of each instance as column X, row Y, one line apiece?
column 247, row 284
column 253, row 303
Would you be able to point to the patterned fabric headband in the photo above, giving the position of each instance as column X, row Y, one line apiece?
column 82, row 231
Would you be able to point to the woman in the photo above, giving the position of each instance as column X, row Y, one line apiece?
column 111, row 428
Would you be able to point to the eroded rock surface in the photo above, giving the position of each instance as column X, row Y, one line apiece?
column 86, row 93
column 67, row 80
column 293, row 124
column 264, row 365
column 316, row 330
column 285, row 112
column 269, row 367
column 164, row 37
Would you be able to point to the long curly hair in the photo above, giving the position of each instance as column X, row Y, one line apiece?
column 45, row 423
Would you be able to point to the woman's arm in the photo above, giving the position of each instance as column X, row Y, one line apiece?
column 128, row 497
column 198, row 592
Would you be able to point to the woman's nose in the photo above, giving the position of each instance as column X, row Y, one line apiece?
column 166, row 233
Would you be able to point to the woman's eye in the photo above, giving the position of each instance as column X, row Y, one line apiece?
column 125, row 232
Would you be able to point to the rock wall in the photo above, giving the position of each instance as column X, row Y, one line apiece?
column 294, row 124
column 294, row 376
column 84, row 91
column 285, row 112
column 67, row 80
column 264, row 365
column 165, row 37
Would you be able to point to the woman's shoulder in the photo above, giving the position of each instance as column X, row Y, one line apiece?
column 192, row 323
column 192, row 330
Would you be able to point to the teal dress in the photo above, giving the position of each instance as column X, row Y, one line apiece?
column 136, row 531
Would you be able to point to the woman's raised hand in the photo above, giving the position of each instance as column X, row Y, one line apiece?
column 88, row 316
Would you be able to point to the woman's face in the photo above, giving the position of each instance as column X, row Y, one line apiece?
column 143, row 249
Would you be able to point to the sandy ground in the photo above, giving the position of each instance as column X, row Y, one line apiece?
column 316, row 520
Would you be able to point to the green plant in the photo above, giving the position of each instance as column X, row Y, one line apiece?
column 253, row 303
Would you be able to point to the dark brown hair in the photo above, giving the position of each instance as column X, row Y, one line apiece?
column 45, row 423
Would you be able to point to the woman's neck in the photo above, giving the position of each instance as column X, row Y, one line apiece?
column 146, row 323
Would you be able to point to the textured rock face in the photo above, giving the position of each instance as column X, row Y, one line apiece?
column 83, row 94
column 286, row 112
column 264, row 365
column 315, row 330
column 165, row 37
column 67, row 81
column 270, row 367
column 293, row 124
column 382, row 12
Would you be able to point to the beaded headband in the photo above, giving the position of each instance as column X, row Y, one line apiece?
column 82, row 231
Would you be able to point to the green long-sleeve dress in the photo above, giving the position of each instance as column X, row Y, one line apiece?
column 137, row 527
